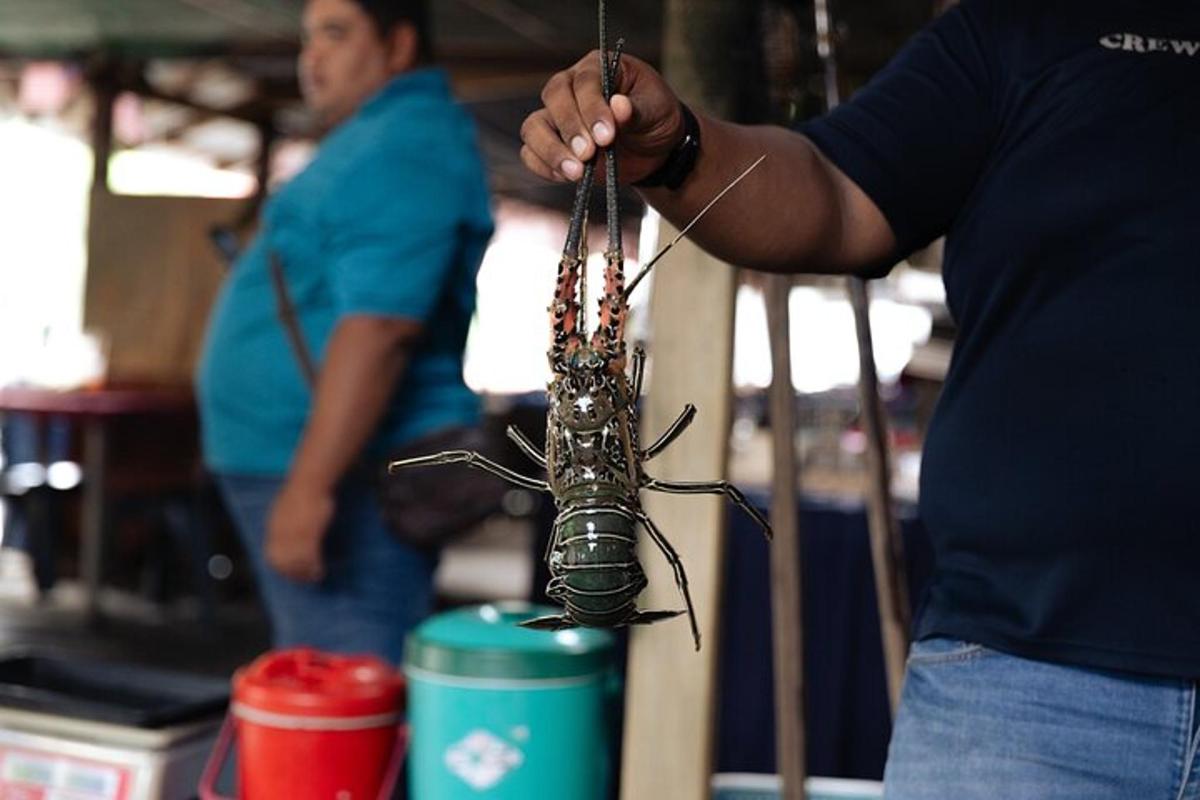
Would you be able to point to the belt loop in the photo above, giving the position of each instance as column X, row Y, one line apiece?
column 1195, row 710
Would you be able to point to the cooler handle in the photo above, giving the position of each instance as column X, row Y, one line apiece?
column 216, row 761
column 228, row 737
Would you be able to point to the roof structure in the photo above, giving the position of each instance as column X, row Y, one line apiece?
column 63, row 28
column 499, row 52
column 479, row 30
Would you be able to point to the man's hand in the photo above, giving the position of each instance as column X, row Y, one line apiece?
column 561, row 136
column 296, row 529
column 800, row 214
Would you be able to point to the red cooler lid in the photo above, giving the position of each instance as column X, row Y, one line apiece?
column 311, row 683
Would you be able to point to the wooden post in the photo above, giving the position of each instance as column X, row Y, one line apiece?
column 93, row 544
column 670, row 706
column 887, row 548
column 781, row 42
column 267, row 135
column 94, row 532
column 670, row 699
column 105, row 89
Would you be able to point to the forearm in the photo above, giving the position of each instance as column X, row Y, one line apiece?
column 789, row 215
column 796, row 213
column 363, row 362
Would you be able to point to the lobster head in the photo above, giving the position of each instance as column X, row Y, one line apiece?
column 584, row 392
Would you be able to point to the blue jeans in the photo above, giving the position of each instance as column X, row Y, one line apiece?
column 975, row 723
column 375, row 590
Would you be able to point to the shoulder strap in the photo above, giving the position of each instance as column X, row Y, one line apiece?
column 291, row 326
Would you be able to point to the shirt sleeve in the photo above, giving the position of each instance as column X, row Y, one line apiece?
column 394, row 231
column 917, row 138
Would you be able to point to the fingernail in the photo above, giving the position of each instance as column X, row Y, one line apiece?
column 579, row 145
column 601, row 131
column 572, row 169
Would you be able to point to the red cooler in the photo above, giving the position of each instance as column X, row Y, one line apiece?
column 312, row 725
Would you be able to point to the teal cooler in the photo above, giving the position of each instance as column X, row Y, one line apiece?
column 500, row 712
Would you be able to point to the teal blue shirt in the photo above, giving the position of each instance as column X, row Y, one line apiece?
column 390, row 219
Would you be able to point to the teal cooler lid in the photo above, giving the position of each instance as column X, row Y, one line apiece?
column 487, row 642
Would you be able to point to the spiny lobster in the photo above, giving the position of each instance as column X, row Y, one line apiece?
column 593, row 458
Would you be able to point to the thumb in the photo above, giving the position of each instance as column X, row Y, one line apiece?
column 622, row 108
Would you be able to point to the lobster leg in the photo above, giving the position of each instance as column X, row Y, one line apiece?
column 680, row 576
column 651, row 617
column 639, row 371
column 471, row 459
column 522, row 442
column 711, row 487
column 554, row 622
column 551, row 544
column 672, row 433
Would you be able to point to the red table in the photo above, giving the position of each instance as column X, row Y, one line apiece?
column 94, row 409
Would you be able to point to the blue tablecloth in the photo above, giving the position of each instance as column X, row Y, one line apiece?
column 848, row 717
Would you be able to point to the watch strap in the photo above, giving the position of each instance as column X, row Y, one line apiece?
column 682, row 159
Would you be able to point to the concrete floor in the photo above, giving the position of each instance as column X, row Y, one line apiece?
column 493, row 563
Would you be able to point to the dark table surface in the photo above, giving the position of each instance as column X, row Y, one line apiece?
column 105, row 401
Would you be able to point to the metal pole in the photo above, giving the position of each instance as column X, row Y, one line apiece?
column 887, row 547
column 787, row 604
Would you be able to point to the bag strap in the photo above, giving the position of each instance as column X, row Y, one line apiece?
column 286, row 309
column 291, row 325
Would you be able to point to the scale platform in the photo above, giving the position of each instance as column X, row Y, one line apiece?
column 71, row 730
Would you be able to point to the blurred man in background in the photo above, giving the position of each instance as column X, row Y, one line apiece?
column 378, row 242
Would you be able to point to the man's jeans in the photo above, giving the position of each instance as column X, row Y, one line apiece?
column 375, row 588
column 975, row 723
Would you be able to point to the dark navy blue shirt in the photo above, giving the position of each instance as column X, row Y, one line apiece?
column 1057, row 145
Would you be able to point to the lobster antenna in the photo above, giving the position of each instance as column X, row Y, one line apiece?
column 606, row 85
column 583, row 193
column 605, row 78
column 577, row 232
column 610, row 157
column 650, row 264
column 582, row 255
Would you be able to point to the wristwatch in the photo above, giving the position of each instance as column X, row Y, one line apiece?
column 682, row 160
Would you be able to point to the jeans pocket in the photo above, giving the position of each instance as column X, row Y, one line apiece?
column 939, row 649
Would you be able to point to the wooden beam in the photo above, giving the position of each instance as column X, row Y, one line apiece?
column 787, row 603
column 252, row 112
column 783, row 60
column 105, row 84
column 670, row 706
column 887, row 547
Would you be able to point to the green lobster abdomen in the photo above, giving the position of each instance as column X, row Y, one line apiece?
column 595, row 566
